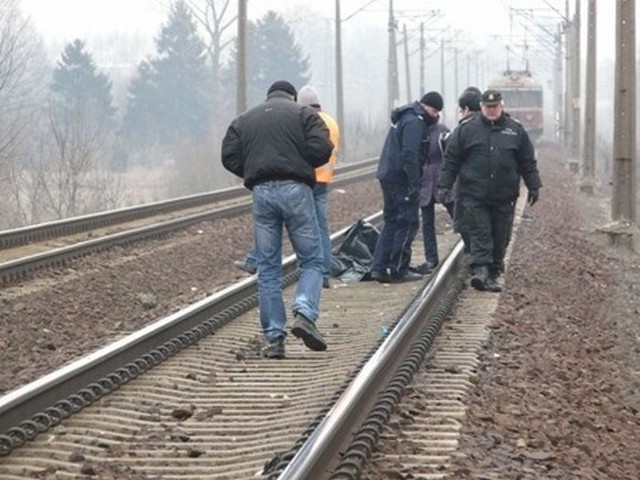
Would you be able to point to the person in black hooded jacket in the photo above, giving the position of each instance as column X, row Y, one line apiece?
column 399, row 173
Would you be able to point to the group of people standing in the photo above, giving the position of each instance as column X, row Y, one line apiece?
column 474, row 172
column 285, row 151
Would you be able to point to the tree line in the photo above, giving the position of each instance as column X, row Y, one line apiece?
column 63, row 141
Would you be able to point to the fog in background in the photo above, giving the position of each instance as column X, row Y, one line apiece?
column 474, row 41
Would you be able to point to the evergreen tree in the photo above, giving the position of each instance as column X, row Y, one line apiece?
column 77, row 138
column 77, row 85
column 169, row 101
column 272, row 54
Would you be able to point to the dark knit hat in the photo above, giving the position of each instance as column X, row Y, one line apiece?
column 470, row 99
column 283, row 86
column 433, row 99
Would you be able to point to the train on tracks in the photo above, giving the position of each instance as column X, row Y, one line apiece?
column 523, row 99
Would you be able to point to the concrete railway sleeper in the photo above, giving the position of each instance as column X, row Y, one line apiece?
column 217, row 395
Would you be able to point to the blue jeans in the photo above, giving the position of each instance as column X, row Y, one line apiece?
column 429, row 230
column 401, row 223
column 288, row 204
column 320, row 197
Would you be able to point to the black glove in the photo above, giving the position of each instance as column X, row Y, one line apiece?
column 442, row 194
column 533, row 195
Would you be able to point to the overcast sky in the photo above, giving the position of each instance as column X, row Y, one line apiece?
column 481, row 20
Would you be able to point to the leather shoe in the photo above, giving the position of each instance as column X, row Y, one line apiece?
column 492, row 284
column 275, row 349
column 407, row 277
column 379, row 276
column 306, row 331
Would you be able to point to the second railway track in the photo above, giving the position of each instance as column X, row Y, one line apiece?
column 26, row 250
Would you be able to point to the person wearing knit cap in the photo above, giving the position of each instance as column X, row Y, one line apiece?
column 399, row 171
column 324, row 175
column 279, row 169
column 430, row 172
column 433, row 99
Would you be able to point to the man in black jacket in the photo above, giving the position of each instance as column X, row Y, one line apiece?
column 399, row 172
column 275, row 147
column 489, row 153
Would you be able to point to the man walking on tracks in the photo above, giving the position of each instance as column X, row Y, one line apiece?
column 275, row 148
column 324, row 176
column 489, row 153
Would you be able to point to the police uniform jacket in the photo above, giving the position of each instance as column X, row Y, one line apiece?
column 276, row 140
column 404, row 149
column 489, row 157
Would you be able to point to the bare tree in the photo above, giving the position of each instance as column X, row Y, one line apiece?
column 215, row 18
column 22, row 61
column 68, row 175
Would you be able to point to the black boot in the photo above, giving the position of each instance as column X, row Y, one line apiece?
column 480, row 277
column 492, row 284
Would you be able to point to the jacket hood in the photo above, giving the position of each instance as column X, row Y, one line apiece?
column 415, row 107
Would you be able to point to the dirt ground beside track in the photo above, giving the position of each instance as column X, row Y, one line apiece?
column 557, row 394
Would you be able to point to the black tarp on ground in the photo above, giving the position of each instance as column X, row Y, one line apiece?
column 352, row 260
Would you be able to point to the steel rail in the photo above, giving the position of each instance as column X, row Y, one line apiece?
column 318, row 454
column 24, row 235
column 27, row 402
column 17, row 269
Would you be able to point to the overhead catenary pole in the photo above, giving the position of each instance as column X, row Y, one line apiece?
column 241, row 60
column 566, row 119
column 589, row 155
column 442, row 90
column 422, row 57
column 624, row 142
column 558, row 108
column 407, row 67
column 393, row 87
column 339, row 82
column 575, row 88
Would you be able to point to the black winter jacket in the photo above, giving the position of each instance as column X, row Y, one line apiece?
column 405, row 149
column 490, row 158
column 276, row 140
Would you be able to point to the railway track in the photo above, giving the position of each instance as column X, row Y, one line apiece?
column 26, row 250
column 213, row 408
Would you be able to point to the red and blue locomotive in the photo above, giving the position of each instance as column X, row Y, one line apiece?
column 523, row 99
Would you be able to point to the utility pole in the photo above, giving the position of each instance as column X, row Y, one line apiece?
column 456, row 88
column 589, row 163
column 624, row 142
column 241, row 60
column 558, row 86
column 423, row 46
column 392, row 80
column 575, row 90
column 339, row 82
column 570, row 60
column 407, row 67
column 442, row 67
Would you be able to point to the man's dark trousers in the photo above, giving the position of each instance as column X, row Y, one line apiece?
column 401, row 223
column 489, row 229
